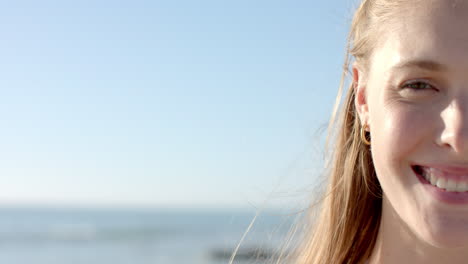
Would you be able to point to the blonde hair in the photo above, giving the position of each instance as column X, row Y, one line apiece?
column 347, row 227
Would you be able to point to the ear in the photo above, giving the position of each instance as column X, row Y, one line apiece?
column 360, row 98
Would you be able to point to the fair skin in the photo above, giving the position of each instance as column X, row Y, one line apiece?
column 414, row 97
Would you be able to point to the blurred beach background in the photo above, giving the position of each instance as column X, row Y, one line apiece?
column 155, row 131
column 63, row 235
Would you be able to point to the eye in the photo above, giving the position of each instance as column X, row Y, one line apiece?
column 418, row 86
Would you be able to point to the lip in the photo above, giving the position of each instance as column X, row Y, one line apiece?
column 453, row 170
column 452, row 198
column 456, row 173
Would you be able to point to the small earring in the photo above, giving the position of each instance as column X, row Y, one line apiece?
column 363, row 134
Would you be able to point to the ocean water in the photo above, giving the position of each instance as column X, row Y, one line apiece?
column 92, row 236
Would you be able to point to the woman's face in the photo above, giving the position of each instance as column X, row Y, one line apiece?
column 414, row 97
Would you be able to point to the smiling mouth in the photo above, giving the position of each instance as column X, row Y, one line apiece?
column 436, row 178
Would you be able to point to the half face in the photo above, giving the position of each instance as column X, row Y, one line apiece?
column 416, row 105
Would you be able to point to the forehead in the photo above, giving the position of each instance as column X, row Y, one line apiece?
column 434, row 30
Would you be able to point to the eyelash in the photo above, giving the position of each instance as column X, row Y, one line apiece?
column 410, row 85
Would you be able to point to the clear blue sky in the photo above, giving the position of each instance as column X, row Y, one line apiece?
column 164, row 103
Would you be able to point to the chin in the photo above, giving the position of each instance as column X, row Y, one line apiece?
column 447, row 237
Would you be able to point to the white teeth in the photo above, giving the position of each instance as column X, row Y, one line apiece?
column 441, row 183
column 462, row 187
column 449, row 185
column 433, row 179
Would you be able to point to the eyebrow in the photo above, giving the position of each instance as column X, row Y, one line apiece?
column 422, row 64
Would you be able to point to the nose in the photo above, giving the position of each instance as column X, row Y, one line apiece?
column 455, row 132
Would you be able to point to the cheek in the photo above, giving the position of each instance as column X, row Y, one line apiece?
column 399, row 136
column 400, row 131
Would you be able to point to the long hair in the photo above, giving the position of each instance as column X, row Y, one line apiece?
column 346, row 228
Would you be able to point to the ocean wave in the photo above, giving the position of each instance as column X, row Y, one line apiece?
column 85, row 233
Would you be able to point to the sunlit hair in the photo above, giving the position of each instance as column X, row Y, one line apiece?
column 346, row 227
